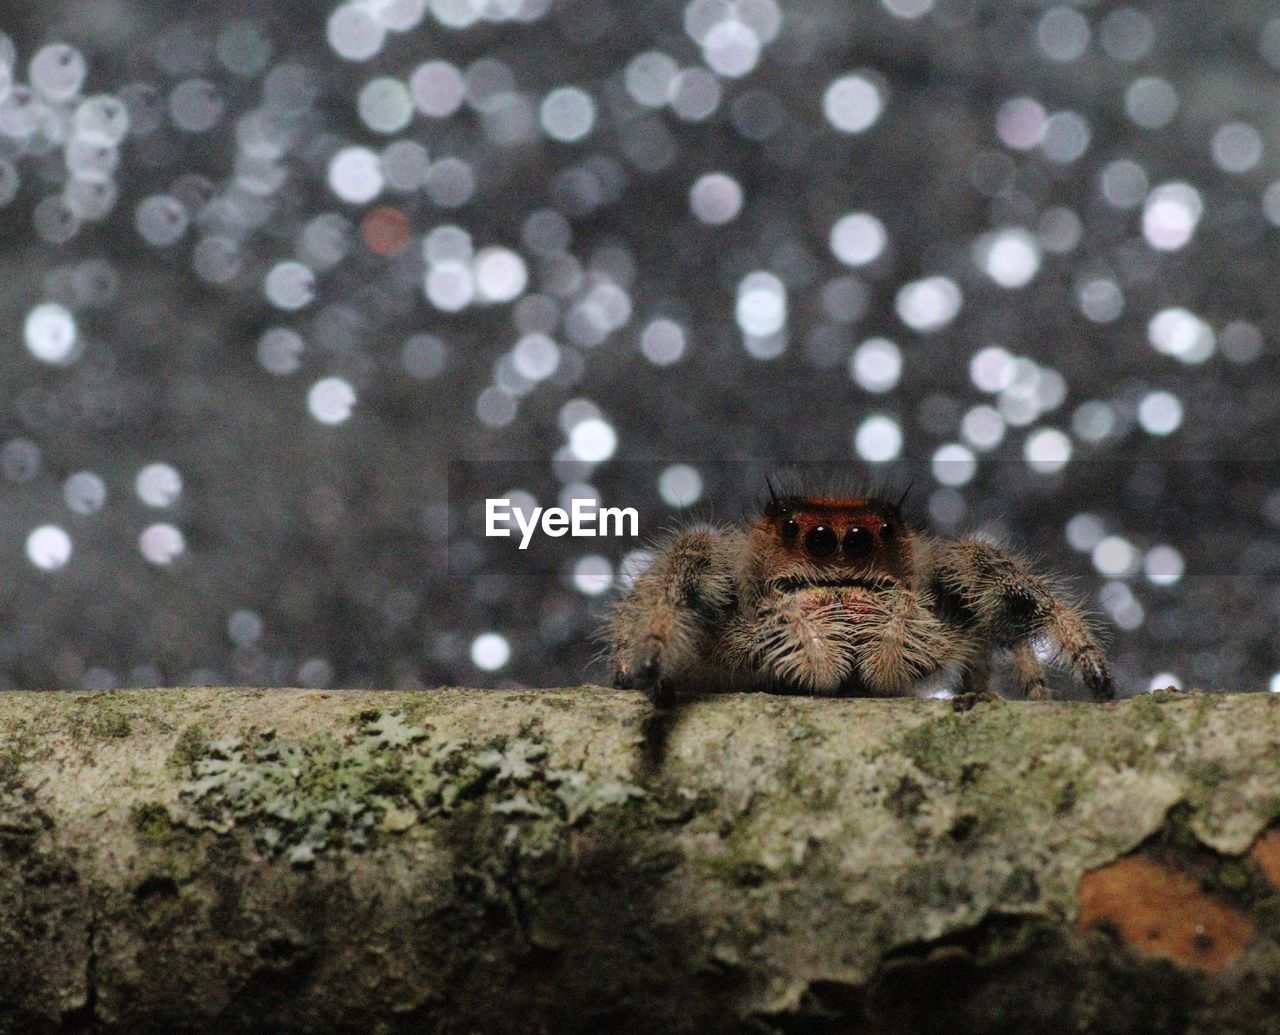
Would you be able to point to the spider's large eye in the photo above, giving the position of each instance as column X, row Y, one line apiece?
column 790, row 529
column 858, row 542
column 821, row 541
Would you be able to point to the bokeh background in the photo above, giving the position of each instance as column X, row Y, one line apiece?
column 288, row 289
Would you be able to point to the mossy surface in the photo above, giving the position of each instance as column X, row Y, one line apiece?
column 527, row 861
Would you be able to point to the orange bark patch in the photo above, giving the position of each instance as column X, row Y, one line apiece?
column 1266, row 853
column 1163, row 912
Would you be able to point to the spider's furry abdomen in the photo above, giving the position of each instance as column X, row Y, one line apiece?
column 838, row 595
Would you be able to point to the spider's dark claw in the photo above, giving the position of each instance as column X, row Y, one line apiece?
column 648, row 677
column 1102, row 688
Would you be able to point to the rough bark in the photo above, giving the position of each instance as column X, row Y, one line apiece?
column 228, row 860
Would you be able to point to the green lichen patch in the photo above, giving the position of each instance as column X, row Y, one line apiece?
column 300, row 797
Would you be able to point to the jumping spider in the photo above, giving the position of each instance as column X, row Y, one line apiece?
column 829, row 595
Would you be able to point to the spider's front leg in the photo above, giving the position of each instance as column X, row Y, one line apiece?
column 995, row 594
column 661, row 635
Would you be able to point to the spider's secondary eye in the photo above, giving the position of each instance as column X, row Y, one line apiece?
column 790, row 528
column 821, row 541
column 858, row 542
column 887, row 532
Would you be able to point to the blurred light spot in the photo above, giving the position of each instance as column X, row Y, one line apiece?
column 1020, row 123
column 280, row 350
column 331, row 400
column 20, row 460
column 161, row 220
column 243, row 48
column 1180, row 333
column 1124, row 183
column 852, row 104
column 423, row 356
column 992, row 369
column 500, row 275
column 908, row 8
column 1085, row 531
column 1101, row 300
column 954, row 464
column 1126, row 34
column 1093, row 420
column 1274, row 685
column 451, row 183
column 593, row 440
column 196, row 105
column 244, row 627
column 696, row 94
column 1151, row 102
column 650, row 78
column 1170, row 216
column 1164, row 681
column 1066, row 137
column 1240, row 341
column 84, row 492
column 1060, row 230
column 490, row 651
column 48, row 547
column 1160, row 413
column 1009, row 257
column 385, row 231
column 1063, row 34
column 450, row 286
column 1115, row 556
column 1163, row 565
column 1123, row 607
column 929, row 304
column 1237, row 147
column 495, row 407
column 158, row 485
column 57, row 71
column 876, row 365
column 715, row 198
column 437, row 89
column 354, row 33
column 878, row 439
column 50, row 333
column 680, row 485
column 731, row 48
column 567, row 114
column 762, row 304
column 385, row 105
column 858, row 238
column 983, row 427
column 161, row 543
column 1047, row 450
column 290, row 285
column 536, row 356
column 406, row 165
column 355, row 175
column 663, row 342
column 101, row 120
column 592, row 575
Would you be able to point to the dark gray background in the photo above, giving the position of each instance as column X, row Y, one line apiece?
column 345, row 554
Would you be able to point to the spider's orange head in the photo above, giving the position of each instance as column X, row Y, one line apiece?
column 826, row 540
